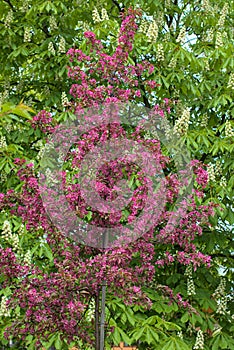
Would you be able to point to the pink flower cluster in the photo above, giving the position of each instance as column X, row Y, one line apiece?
column 116, row 77
column 43, row 121
column 78, row 270
column 9, row 266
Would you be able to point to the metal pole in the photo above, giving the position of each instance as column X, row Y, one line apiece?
column 102, row 321
column 97, row 339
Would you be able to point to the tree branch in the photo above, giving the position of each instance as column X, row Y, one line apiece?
column 220, row 255
column 10, row 4
column 118, row 6
column 145, row 99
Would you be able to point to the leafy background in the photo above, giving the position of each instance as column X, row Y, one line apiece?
column 197, row 72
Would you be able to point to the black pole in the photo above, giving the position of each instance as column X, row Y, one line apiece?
column 102, row 321
column 97, row 344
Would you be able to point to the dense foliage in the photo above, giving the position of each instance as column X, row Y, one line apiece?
column 190, row 46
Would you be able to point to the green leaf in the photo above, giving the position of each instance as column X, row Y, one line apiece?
column 137, row 334
column 89, row 215
column 116, row 336
column 47, row 251
column 124, row 336
column 58, row 343
column 175, row 344
column 185, row 317
column 148, row 336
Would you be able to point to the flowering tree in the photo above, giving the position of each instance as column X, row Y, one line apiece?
column 214, row 320
column 76, row 270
